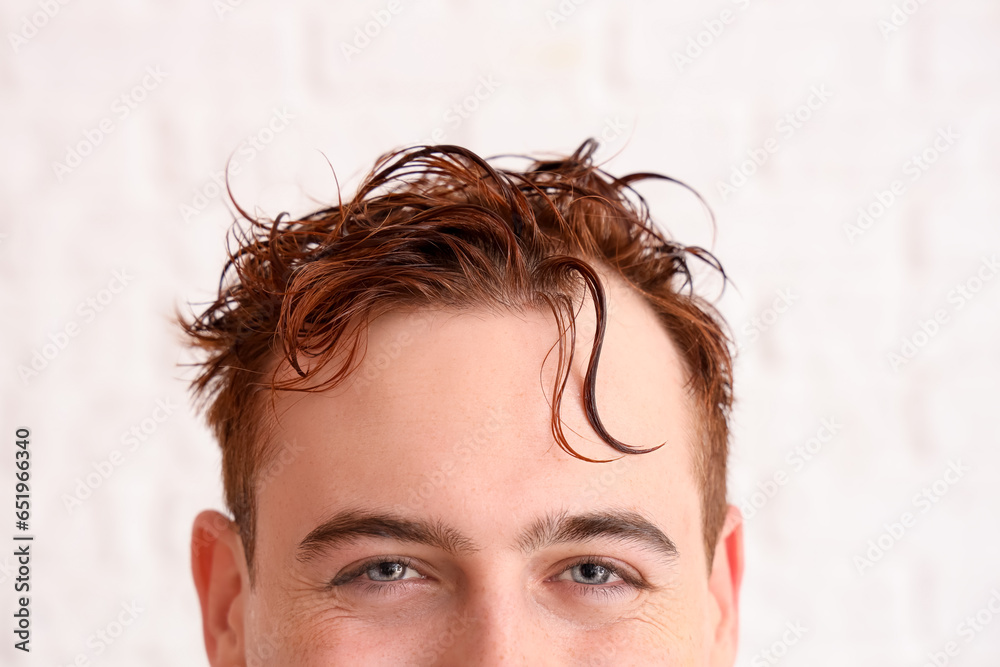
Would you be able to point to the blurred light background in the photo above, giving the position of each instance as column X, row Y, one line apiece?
column 848, row 150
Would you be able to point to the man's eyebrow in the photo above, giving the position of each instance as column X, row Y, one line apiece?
column 349, row 526
column 621, row 525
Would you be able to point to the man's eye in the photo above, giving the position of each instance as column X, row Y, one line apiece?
column 591, row 573
column 391, row 571
column 380, row 569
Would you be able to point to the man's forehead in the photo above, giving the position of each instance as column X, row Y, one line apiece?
column 455, row 407
column 444, row 373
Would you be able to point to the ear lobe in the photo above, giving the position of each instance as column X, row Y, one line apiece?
column 724, row 587
column 217, row 563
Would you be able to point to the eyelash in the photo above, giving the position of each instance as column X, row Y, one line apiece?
column 352, row 576
column 628, row 581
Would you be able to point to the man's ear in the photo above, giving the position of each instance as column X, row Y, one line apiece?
column 724, row 587
column 219, row 568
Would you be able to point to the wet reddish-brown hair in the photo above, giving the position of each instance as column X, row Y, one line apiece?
column 439, row 226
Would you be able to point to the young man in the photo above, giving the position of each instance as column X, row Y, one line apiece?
column 472, row 416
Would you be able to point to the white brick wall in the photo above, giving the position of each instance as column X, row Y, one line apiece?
column 553, row 79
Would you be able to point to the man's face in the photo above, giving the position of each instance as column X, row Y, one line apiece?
column 422, row 513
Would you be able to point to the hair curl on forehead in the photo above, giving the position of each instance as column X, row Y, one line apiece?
column 441, row 227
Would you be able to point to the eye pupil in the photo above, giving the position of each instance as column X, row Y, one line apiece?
column 386, row 571
column 592, row 573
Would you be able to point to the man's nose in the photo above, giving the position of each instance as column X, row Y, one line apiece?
column 499, row 628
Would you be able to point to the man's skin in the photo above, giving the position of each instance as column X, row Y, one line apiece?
column 450, row 439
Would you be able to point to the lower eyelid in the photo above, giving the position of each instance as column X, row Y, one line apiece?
column 387, row 587
column 608, row 591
